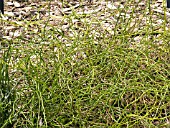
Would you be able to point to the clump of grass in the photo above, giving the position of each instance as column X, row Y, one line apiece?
column 7, row 95
column 75, row 79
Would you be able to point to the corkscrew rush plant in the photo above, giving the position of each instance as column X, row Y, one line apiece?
column 84, row 64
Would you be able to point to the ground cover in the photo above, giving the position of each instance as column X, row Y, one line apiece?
column 82, row 64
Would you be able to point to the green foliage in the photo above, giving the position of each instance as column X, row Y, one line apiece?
column 6, row 93
column 87, row 76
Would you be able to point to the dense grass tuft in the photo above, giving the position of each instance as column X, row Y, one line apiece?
column 87, row 76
